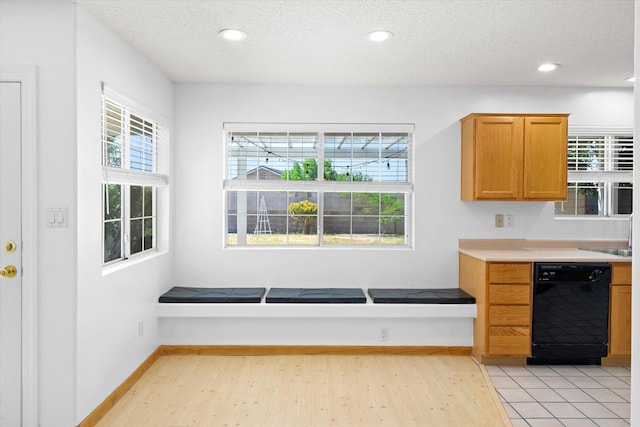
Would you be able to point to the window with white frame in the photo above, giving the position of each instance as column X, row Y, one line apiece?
column 134, row 159
column 600, row 173
column 323, row 185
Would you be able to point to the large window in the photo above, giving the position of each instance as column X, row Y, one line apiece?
column 318, row 185
column 600, row 174
column 133, row 159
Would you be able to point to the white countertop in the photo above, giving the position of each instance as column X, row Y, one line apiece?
column 543, row 254
column 535, row 251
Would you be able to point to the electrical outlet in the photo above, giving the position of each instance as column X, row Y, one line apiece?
column 508, row 220
column 140, row 327
column 384, row 334
column 499, row 220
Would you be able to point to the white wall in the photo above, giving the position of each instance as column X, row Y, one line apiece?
column 635, row 295
column 44, row 35
column 110, row 306
column 440, row 217
column 88, row 323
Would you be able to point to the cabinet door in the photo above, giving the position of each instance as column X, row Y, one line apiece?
column 509, row 341
column 545, row 158
column 620, row 321
column 498, row 157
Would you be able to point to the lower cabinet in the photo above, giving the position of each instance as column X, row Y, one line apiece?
column 620, row 311
column 503, row 295
column 503, row 292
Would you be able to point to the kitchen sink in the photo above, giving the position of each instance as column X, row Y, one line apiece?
column 612, row 251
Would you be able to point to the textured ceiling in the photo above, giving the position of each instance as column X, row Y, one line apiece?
column 437, row 42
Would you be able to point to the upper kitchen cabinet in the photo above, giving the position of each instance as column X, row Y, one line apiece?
column 514, row 157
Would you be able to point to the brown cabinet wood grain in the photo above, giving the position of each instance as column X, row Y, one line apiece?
column 509, row 315
column 514, row 157
column 509, row 294
column 620, row 311
column 503, row 295
column 509, row 341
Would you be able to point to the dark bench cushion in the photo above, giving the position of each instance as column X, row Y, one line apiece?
column 316, row 295
column 421, row 296
column 179, row 294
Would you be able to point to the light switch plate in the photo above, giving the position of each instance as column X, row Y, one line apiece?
column 57, row 217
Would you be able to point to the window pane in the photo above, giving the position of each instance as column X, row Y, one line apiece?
column 301, row 160
column 136, row 201
column 136, row 236
column 148, row 201
column 623, row 156
column 622, row 198
column 148, row 234
column 112, row 135
column 583, row 198
column 338, row 153
column 337, row 230
column 271, row 156
column 242, row 151
column 366, row 230
column 366, row 157
column 303, row 233
column 366, row 204
column 304, row 213
column 112, row 240
column 364, row 219
column 112, row 197
column 395, row 155
column 271, row 218
column 586, row 153
column 141, row 144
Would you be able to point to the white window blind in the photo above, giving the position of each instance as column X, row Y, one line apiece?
column 134, row 143
column 606, row 158
column 600, row 172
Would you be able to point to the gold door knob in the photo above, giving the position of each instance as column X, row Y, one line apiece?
column 10, row 246
column 9, row 271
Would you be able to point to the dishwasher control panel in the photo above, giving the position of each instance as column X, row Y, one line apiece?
column 572, row 272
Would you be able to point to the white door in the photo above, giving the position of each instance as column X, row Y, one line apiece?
column 10, row 255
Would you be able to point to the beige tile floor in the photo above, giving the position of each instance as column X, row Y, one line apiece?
column 564, row 395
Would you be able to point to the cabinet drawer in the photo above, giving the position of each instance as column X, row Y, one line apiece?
column 621, row 273
column 510, row 273
column 509, row 341
column 509, row 315
column 509, row 294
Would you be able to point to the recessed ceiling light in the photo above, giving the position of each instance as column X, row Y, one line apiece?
column 233, row 34
column 379, row 35
column 631, row 79
column 548, row 67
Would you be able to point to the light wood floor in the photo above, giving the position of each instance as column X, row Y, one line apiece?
column 310, row 390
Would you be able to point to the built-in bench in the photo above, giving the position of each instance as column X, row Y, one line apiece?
column 420, row 296
column 316, row 296
column 315, row 302
column 180, row 294
column 439, row 320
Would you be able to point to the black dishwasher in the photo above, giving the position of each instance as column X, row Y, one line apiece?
column 570, row 319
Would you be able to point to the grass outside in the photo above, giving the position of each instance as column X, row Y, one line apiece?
column 274, row 239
